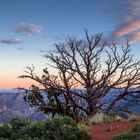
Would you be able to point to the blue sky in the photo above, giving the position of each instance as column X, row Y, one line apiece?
column 29, row 26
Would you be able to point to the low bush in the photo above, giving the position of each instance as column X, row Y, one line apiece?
column 64, row 128
column 57, row 128
column 83, row 127
column 5, row 131
column 124, row 136
column 136, row 128
column 17, row 123
column 35, row 129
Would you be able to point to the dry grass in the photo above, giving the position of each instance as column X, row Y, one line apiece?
column 102, row 118
column 118, row 118
column 134, row 117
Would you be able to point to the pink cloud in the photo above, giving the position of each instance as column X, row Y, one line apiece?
column 136, row 36
column 131, row 27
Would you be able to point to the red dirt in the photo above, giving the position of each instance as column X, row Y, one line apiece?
column 102, row 131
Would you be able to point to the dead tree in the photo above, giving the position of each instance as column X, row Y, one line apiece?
column 87, row 70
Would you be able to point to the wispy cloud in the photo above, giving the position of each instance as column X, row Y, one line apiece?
column 58, row 37
column 129, row 22
column 43, row 51
column 11, row 41
column 20, row 49
column 48, row 51
column 27, row 29
column 131, row 27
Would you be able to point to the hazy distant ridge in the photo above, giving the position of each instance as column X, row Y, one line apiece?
column 12, row 105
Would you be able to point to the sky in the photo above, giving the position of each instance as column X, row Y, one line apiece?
column 28, row 28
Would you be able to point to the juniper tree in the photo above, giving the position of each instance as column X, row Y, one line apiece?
column 86, row 71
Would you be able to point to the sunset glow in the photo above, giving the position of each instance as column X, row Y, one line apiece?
column 29, row 29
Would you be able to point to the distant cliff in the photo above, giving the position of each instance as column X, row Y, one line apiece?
column 12, row 105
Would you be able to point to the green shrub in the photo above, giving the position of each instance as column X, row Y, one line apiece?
column 83, row 127
column 18, row 123
column 136, row 128
column 64, row 128
column 124, row 136
column 35, row 129
column 16, row 136
column 5, row 131
column 83, row 135
column 60, row 128
column 137, row 136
